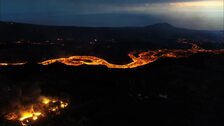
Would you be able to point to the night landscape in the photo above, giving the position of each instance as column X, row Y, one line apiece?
column 107, row 63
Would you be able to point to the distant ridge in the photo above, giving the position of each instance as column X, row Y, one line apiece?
column 164, row 25
column 167, row 25
column 156, row 33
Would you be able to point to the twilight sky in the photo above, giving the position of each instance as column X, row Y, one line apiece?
column 192, row 14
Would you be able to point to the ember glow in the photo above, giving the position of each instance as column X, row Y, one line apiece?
column 12, row 64
column 29, row 114
column 143, row 58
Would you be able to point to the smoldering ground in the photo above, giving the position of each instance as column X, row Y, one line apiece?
column 14, row 95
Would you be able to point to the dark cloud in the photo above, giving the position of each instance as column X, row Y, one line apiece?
column 107, row 13
column 94, row 20
column 128, row 1
column 31, row 2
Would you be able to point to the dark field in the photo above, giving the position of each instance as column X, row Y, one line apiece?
column 174, row 92
column 167, row 92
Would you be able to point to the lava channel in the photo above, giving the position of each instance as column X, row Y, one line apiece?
column 143, row 58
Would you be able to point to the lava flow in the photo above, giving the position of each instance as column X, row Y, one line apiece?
column 12, row 64
column 29, row 114
column 143, row 58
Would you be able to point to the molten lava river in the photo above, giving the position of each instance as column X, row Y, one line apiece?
column 143, row 58
column 29, row 114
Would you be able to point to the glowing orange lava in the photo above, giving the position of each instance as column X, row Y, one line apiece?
column 143, row 58
column 12, row 64
column 28, row 114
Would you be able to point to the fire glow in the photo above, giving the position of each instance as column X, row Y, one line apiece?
column 29, row 114
column 142, row 59
column 12, row 64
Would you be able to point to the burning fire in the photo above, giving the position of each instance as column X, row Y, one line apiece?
column 27, row 115
column 143, row 58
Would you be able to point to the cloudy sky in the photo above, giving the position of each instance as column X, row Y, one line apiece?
column 192, row 14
